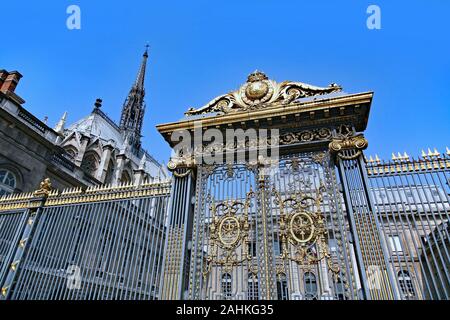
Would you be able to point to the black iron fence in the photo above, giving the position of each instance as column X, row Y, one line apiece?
column 412, row 200
column 105, row 243
column 118, row 242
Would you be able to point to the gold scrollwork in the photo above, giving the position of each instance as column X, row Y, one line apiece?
column 183, row 162
column 357, row 143
column 259, row 92
column 229, row 230
column 302, row 229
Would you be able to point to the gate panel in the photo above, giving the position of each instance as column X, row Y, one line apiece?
column 278, row 235
column 312, row 252
column 224, row 249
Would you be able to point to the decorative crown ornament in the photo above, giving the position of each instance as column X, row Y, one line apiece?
column 257, row 76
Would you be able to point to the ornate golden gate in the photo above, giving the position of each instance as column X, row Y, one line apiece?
column 277, row 208
column 281, row 235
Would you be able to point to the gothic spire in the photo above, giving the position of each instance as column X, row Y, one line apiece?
column 134, row 107
column 60, row 125
column 141, row 75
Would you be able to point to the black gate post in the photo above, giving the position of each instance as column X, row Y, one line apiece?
column 371, row 252
column 178, row 234
column 26, row 229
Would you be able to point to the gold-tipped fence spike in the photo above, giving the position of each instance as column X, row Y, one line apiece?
column 447, row 151
column 430, row 154
column 424, row 155
column 436, row 153
column 377, row 159
column 394, row 157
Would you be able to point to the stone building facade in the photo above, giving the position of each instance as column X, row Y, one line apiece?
column 92, row 151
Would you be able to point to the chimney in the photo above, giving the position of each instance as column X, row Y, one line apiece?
column 10, row 82
column 3, row 75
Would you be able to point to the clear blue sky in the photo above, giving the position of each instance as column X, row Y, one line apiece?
column 200, row 49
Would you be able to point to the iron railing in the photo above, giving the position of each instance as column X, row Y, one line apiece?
column 105, row 243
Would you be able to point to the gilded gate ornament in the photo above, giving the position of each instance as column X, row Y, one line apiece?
column 289, row 138
column 347, row 140
column 302, row 229
column 44, row 188
column 229, row 230
column 181, row 162
column 259, row 92
column 357, row 143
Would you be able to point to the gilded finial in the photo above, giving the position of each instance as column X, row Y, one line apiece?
column 447, row 151
column 436, row 153
column 424, row 155
column 377, row 159
column 44, row 188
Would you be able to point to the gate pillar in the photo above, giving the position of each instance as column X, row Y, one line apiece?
column 371, row 251
column 265, row 236
column 176, row 258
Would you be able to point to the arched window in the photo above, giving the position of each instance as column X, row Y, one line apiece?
column 282, row 288
column 71, row 151
column 7, row 182
column 226, row 286
column 253, row 288
column 310, row 286
column 406, row 284
column 90, row 163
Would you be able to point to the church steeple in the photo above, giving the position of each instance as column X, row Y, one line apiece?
column 134, row 107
